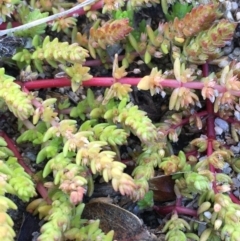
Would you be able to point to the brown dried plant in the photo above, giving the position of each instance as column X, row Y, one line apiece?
column 110, row 33
column 199, row 19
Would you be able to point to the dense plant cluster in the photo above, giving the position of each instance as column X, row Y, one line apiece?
column 80, row 143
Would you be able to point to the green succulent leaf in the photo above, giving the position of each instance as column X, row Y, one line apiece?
column 147, row 201
column 179, row 10
column 31, row 135
column 27, row 16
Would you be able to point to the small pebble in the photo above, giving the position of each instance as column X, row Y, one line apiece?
column 202, row 158
column 236, row 51
column 229, row 43
column 207, row 214
column 227, row 169
column 228, row 50
column 237, row 33
column 218, row 130
column 236, row 182
column 223, row 63
column 234, row 6
column 31, row 156
column 238, row 16
column 232, row 57
column 222, row 124
column 228, row 5
column 236, row 193
column 228, row 15
column 237, row 115
column 35, row 236
column 235, row 149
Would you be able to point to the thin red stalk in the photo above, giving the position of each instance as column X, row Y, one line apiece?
column 210, row 121
column 210, row 128
column 81, row 12
column 205, row 70
column 95, row 81
column 63, row 82
column 10, row 144
column 93, row 62
column 3, row 26
column 191, row 153
column 13, row 148
column 97, row 62
column 108, row 81
column 186, row 120
column 180, row 210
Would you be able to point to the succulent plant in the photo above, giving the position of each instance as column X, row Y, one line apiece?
column 77, row 144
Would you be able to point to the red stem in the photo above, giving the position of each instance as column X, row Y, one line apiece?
column 210, row 128
column 180, row 210
column 81, row 12
column 98, row 62
column 108, row 81
column 191, row 153
column 3, row 26
column 63, row 82
column 186, row 120
column 205, row 70
column 39, row 186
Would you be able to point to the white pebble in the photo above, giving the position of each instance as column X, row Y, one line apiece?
column 204, row 137
column 207, row 214
column 228, row 5
column 237, row 106
column 236, row 182
column 235, row 149
column 221, row 123
column 228, row 15
column 218, row 130
column 228, row 43
column 226, row 165
column 223, row 63
column 202, row 158
column 163, row 94
column 234, row 6
column 227, row 49
column 226, row 168
column 238, row 16
column 236, row 193
column 237, row 115
column 236, row 51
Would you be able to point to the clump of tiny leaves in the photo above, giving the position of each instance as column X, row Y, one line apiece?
column 78, row 143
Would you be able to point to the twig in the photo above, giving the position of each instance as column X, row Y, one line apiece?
column 47, row 19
